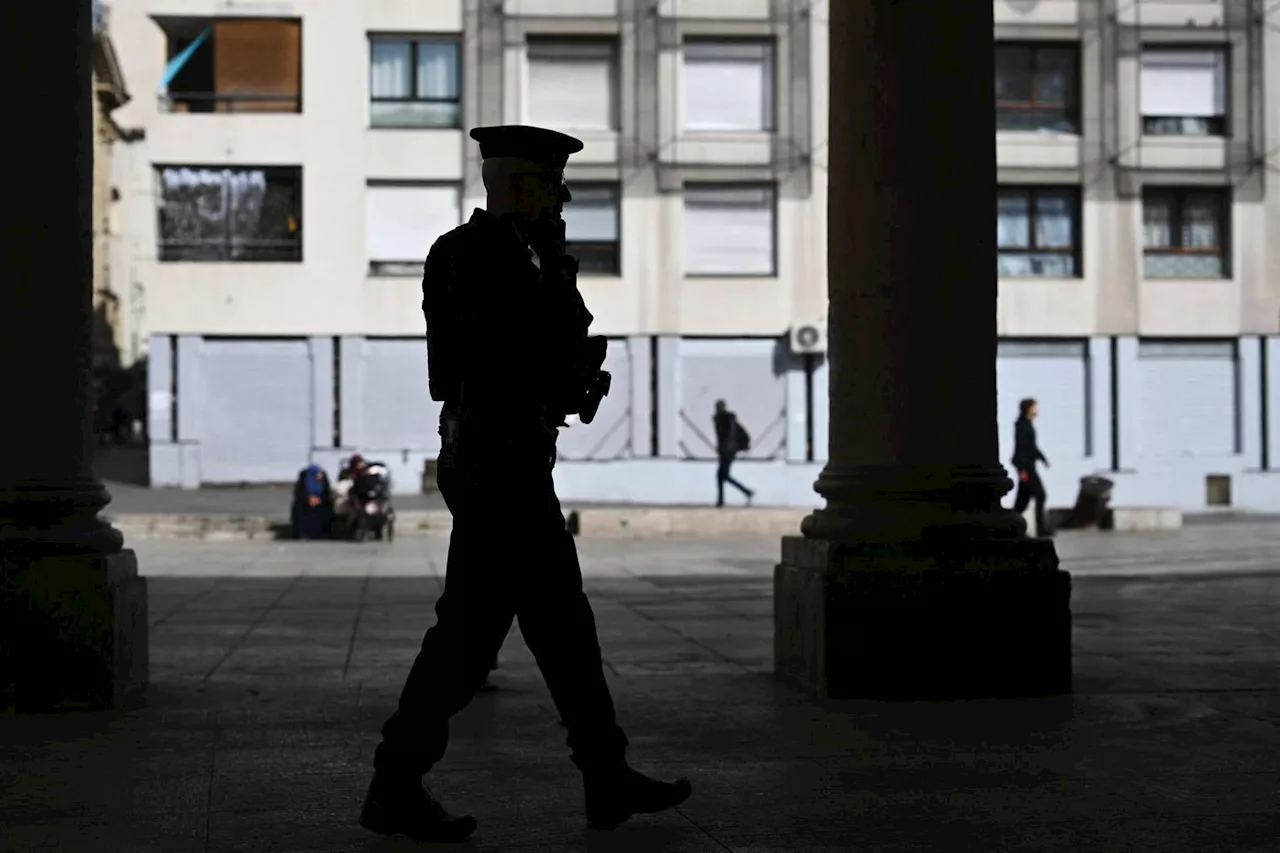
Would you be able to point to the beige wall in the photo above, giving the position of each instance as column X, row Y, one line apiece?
column 103, row 297
column 331, row 293
column 111, row 326
column 1112, row 297
column 326, row 294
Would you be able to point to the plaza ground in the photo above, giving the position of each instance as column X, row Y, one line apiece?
column 274, row 663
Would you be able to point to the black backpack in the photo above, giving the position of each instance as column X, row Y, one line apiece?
column 741, row 439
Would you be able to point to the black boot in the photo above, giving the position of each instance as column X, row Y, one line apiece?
column 617, row 794
column 404, row 807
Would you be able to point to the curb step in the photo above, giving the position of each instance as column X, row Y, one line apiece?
column 596, row 522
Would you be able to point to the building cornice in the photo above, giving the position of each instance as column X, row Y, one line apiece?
column 108, row 75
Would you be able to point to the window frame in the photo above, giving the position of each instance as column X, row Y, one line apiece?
column 295, row 257
column 1032, row 193
column 1219, row 125
column 774, row 260
column 413, row 40
column 615, row 187
column 773, row 86
column 406, row 267
column 1072, row 110
column 180, row 102
column 1178, row 195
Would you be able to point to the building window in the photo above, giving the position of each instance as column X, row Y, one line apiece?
column 729, row 230
column 413, row 82
column 1184, row 92
column 232, row 65
column 1038, row 232
column 592, row 230
column 573, row 84
column 1037, row 88
column 728, row 85
column 237, row 214
column 403, row 220
column 1185, row 233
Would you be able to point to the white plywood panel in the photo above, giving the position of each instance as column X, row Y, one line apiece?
column 749, row 375
column 609, row 435
column 1189, row 398
column 255, row 410
column 1055, row 374
column 397, row 411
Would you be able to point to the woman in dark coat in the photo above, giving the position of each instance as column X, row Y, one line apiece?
column 1026, row 453
column 312, row 504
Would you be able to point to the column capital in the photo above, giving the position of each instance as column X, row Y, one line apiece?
column 57, row 519
column 901, row 502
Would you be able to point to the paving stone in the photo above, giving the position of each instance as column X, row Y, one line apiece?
column 270, row 682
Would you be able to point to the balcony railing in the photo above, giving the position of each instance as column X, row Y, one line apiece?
column 230, row 102
column 221, row 249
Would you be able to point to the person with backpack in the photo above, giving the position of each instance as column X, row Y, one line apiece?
column 731, row 439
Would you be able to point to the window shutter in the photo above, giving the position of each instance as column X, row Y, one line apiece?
column 1184, row 83
column 571, row 85
column 729, row 231
column 592, row 216
column 403, row 221
column 254, row 56
column 728, row 87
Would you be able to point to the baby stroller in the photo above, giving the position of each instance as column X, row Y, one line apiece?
column 372, row 514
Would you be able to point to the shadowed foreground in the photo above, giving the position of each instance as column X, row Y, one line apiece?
column 272, row 672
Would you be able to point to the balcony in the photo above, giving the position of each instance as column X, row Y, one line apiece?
column 231, row 65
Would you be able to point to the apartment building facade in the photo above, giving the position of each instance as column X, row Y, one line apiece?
column 301, row 157
column 111, row 330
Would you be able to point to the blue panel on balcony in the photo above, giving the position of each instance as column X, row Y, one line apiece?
column 175, row 65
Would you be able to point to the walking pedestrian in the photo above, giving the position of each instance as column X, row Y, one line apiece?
column 731, row 439
column 1026, row 453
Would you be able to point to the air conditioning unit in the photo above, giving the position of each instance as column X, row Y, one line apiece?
column 808, row 338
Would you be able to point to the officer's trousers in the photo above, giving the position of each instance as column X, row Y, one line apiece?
column 510, row 558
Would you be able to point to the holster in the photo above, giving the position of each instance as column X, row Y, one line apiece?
column 596, row 382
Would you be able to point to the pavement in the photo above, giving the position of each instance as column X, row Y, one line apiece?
column 275, row 663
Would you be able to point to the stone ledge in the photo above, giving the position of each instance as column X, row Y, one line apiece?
column 1117, row 519
column 922, row 620
column 140, row 526
column 616, row 522
column 642, row 521
column 1132, row 519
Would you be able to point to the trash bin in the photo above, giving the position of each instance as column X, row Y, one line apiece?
column 1091, row 503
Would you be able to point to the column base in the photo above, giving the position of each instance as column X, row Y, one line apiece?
column 901, row 503
column 936, row 618
column 76, row 632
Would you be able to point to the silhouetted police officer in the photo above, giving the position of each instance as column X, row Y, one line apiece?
column 509, row 357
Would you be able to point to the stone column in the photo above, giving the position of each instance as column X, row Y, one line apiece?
column 74, row 609
column 913, row 581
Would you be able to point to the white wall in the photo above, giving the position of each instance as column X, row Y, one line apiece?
column 331, row 293
column 326, row 294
